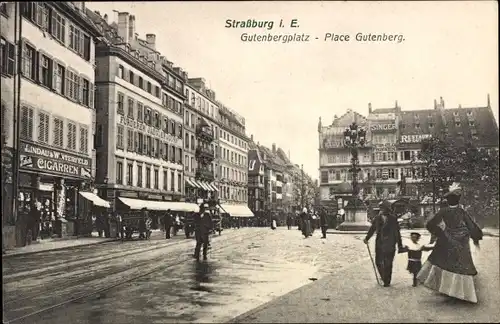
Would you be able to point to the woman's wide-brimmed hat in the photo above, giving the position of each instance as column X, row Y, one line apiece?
column 385, row 205
column 454, row 189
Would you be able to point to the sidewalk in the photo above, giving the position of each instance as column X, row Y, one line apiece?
column 53, row 244
column 354, row 296
column 494, row 232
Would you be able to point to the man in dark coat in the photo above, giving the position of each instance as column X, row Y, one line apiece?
column 167, row 222
column 386, row 225
column 323, row 222
column 202, row 228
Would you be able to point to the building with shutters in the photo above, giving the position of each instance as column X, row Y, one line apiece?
column 53, row 92
column 200, row 141
column 140, row 108
column 233, row 165
column 394, row 139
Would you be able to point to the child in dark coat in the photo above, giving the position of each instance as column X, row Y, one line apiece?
column 414, row 250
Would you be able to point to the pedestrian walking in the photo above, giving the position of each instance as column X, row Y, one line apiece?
column 305, row 223
column 273, row 224
column 167, row 222
column 202, row 228
column 386, row 226
column 323, row 221
column 414, row 251
column 289, row 221
column 450, row 269
column 119, row 225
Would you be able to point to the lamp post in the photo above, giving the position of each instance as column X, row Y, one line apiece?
column 433, row 171
column 357, row 218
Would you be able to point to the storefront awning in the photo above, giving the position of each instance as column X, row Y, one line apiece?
column 214, row 186
column 95, row 199
column 138, row 204
column 190, row 183
column 196, row 184
column 204, row 185
column 237, row 210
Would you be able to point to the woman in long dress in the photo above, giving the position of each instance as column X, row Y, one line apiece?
column 450, row 269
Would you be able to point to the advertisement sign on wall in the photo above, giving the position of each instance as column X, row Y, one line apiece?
column 414, row 138
column 55, row 161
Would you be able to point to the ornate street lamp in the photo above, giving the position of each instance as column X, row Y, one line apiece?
column 356, row 218
column 433, row 170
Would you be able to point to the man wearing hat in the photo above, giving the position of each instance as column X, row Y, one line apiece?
column 203, row 226
column 385, row 224
column 167, row 222
column 450, row 268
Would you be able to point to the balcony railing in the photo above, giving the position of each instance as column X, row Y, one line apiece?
column 205, row 132
column 205, row 152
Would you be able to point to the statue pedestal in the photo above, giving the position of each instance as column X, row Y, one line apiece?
column 356, row 217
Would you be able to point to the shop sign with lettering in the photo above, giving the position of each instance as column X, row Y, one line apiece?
column 414, row 138
column 388, row 147
column 129, row 122
column 382, row 127
column 43, row 159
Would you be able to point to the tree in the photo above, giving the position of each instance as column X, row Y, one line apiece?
column 474, row 168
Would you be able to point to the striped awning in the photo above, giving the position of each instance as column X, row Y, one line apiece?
column 207, row 186
column 191, row 183
column 210, row 186
column 196, row 184
column 214, row 186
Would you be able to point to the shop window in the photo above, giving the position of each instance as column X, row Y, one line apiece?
column 119, row 172
column 84, row 139
column 58, row 138
column 71, row 136
column 43, row 127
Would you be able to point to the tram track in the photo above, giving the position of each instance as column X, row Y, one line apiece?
column 86, row 288
column 99, row 258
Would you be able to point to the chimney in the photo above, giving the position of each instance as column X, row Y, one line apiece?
column 251, row 137
column 131, row 27
column 396, row 104
column 123, row 23
column 370, row 107
column 435, row 104
column 274, row 148
column 106, row 18
column 441, row 102
column 151, row 40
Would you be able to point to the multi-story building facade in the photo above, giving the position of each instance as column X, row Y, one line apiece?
column 200, row 120
column 256, row 172
column 394, row 140
column 139, row 103
column 233, row 166
column 50, row 94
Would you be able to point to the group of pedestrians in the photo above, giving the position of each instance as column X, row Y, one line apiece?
column 449, row 269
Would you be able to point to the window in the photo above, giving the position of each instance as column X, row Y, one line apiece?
column 72, row 86
column 119, row 172
column 86, row 47
column 172, row 154
column 471, row 123
column 157, row 148
column 58, row 138
column 192, row 164
column 76, row 40
column 179, row 182
column 130, row 140
column 157, row 92
column 172, row 127
column 120, row 109
column 119, row 137
column 43, row 127
column 157, row 120
column 45, row 71
column 431, row 125
column 121, row 71
column 58, row 78
column 84, row 140
column 29, row 62
column 165, row 151
column 71, row 136
column 86, row 92
column 141, row 82
column 179, row 155
column 58, row 26
column 149, row 87
column 3, row 9
column 130, row 169
column 156, row 179
column 27, row 123
column 186, row 141
column 457, row 124
column 139, row 111
column 140, row 143
column 36, row 12
column 148, row 177
column 139, row 176
column 7, row 59
column 130, row 109
column 165, row 180
column 131, row 77
column 172, row 181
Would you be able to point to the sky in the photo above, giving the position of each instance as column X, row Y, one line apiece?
column 450, row 50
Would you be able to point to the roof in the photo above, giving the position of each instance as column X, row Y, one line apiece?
column 474, row 124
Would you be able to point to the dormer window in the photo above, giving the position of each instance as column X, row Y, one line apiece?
column 431, row 125
column 457, row 124
column 403, row 126
column 469, row 112
column 455, row 113
column 417, row 125
column 471, row 123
